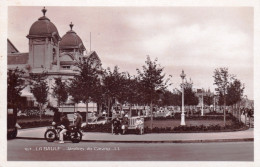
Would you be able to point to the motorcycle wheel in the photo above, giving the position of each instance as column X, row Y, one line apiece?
column 50, row 135
column 76, row 137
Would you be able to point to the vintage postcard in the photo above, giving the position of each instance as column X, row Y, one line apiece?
column 121, row 83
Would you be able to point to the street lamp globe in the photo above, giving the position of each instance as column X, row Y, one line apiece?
column 183, row 75
column 182, row 113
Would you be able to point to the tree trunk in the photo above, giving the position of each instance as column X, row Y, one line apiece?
column 108, row 110
column 15, row 114
column 121, row 109
column 40, row 107
column 87, row 112
column 130, row 111
column 224, row 109
column 151, row 123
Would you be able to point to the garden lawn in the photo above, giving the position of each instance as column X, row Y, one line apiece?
column 174, row 123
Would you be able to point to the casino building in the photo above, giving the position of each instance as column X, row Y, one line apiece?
column 51, row 53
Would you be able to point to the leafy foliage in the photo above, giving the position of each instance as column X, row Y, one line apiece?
column 234, row 92
column 152, row 80
column 189, row 97
column 15, row 84
column 86, row 85
column 39, row 88
column 114, row 87
column 60, row 91
column 208, row 100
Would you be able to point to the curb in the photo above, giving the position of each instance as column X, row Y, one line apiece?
column 166, row 141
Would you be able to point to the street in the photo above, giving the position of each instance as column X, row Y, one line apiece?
column 40, row 150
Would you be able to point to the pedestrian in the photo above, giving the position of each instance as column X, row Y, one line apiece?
column 116, row 125
column 139, row 125
column 124, row 124
column 78, row 120
column 64, row 126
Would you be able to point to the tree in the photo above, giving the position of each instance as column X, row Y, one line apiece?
column 60, row 91
column 114, row 87
column 39, row 88
column 208, row 100
column 235, row 92
column 84, row 86
column 189, row 97
column 15, row 84
column 221, row 79
column 152, row 81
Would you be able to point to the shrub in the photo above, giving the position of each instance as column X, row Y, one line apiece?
column 34, row 124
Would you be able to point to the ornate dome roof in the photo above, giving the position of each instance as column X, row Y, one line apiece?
column 71, row 40
column 43, row 27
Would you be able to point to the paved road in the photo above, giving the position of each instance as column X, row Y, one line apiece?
column 96, row 136
column 39, row 150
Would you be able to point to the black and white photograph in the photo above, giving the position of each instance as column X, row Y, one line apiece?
column 129, row 83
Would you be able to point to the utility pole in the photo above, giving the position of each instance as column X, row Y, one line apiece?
column 90, row 42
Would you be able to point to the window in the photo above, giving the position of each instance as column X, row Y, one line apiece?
column 65, row 67
column 53, row 55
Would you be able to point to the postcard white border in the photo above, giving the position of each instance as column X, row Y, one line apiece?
column 217, row 3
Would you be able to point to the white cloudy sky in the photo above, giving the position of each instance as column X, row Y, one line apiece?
column 195, row 39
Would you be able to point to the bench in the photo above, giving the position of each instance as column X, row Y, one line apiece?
column 132, row 125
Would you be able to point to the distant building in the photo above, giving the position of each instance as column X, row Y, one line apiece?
column 50, row 53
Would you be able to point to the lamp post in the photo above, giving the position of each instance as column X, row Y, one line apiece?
column 214, row 100
column 202, row 104
column 182, row 113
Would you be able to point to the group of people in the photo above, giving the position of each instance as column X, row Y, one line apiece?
column 61, row 120
column 248, row 112
column 120, row 124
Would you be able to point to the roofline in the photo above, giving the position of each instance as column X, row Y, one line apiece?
column 13, row 45
column 72, row 47
column 43, row 36
column 9, row 54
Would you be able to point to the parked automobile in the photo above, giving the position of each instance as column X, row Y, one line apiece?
column 170, row 114
column 12, row 125
column 20, row 113
column 99, row 120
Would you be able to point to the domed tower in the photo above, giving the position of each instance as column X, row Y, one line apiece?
column 71, row 49
column 43, row 45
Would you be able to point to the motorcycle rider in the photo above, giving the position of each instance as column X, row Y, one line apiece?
column 64, row 125
column 56, row 117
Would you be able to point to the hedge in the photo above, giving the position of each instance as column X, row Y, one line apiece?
column 35, row 124
column 177, row 116
column 106, row 128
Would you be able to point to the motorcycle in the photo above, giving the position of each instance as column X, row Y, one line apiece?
column 73, row 134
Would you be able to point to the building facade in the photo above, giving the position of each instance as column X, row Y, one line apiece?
column 48, row 52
